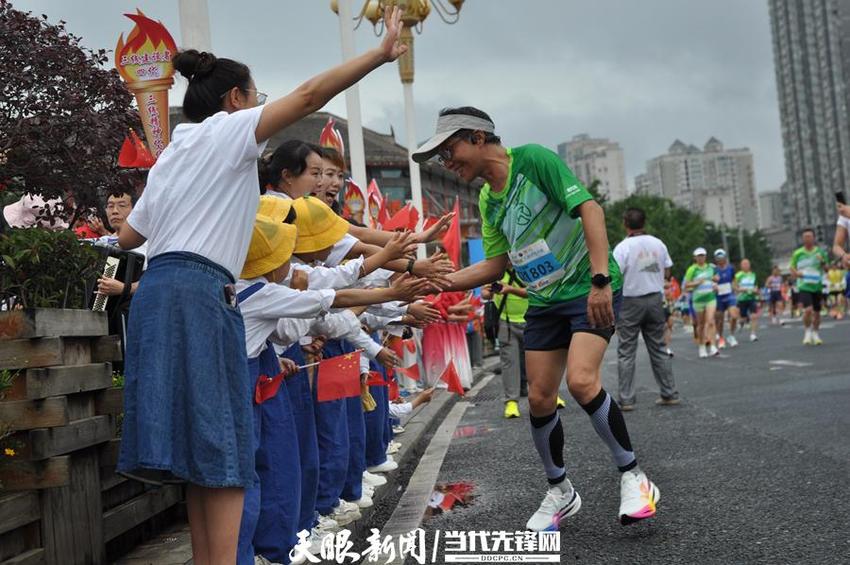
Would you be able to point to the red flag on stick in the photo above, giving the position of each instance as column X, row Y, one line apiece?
column 411, row 372
column 451, row 378
column 267, row 387
column 339, row 377
column 451, row 240
column 376, row 379
column 393, row 389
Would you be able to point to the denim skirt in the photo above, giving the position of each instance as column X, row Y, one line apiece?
column 187, row 392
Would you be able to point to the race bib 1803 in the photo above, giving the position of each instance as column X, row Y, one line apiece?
column 536, row 265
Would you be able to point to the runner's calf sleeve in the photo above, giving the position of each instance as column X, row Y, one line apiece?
column 548, row 435
column 608, row 422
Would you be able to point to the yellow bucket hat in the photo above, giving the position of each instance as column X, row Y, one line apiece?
column 274, row 207
column 318, row 226
column 271, row 246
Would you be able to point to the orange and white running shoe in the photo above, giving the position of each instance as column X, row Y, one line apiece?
column 638, row 497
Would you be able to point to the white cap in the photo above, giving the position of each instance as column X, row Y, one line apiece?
column 720, row 252
column 700, row 251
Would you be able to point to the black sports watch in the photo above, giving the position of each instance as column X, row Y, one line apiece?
column 600, row 281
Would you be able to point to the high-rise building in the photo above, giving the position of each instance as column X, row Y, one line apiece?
column 811, row 51
column 713, row 181
column 771, row 208
column 597, row 159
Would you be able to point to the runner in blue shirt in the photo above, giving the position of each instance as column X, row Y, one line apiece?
column 726, row 301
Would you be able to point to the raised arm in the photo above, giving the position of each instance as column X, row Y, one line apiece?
column 317, row 91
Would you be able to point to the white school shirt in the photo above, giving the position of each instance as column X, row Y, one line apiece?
column 262, row 311
column 642, row 260
column 342, row 276
column 337, row 325
column 202, row 193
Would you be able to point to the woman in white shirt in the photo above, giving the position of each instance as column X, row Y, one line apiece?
column 187, row 393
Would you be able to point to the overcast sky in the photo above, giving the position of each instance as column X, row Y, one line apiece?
column 643, row 73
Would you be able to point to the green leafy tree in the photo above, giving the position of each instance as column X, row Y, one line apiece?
column 683, row 231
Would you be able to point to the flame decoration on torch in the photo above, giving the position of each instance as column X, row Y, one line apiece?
column 144, row 63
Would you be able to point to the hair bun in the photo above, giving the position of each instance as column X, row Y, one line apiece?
column 193, row 64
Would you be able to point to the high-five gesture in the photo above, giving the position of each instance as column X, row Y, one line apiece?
column 391, row 46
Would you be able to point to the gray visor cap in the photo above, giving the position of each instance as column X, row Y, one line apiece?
column 447, row 126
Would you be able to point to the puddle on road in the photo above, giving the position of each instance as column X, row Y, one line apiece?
column 449, row 496
column 470, row 431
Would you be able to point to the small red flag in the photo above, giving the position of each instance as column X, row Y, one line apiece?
column 430, row 221
column 451, row 240
column 411, row 372
column 339, row 377
column 414, row 218
column 393, row 391
column 451, row 378
column 267, row 387
column 410, row 344
column 400, row 220
column 134, row 153
column 376, row 379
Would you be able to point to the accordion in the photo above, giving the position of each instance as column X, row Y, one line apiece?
column 126, row 266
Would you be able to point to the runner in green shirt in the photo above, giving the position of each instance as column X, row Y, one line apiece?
column 807, row 266
column 700, row 280
column 748, row 295
column 535, row 212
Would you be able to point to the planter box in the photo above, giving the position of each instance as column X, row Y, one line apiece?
column 57, row 464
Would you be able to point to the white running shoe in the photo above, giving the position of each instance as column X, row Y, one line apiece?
column 345, row 513
column 393, row 447
column 398, row 430
column 713, row 351
column 385, row 467
column 365, row 501
column 373, row 480
column 807, row 337
column 703, row 353
column 367, row 490
column 560, row 502
column 732, row 341
column 326, row 525
column 754, row 337
column 638, row 497
column 816, row 340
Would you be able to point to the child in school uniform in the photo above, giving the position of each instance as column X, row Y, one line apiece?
column 187, row 401
column 271, row 512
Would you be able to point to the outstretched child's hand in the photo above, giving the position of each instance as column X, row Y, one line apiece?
column 288, row 367
column 399, row 245
column 387, row 358
column 409, row 289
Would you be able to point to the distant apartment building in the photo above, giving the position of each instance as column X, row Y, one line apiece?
column 716, row 182
column 597, row 159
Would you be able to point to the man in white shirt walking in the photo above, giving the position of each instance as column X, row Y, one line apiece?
column 645, row 264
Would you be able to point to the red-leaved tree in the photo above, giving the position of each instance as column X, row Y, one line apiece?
column 63, row 112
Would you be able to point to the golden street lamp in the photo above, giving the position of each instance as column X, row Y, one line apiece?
column 414, row 14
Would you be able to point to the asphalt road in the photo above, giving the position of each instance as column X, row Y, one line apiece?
column 752, row 466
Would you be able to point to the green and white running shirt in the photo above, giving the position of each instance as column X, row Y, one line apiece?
column 704, row 292
column 535, row 220
column 811, row 266
column 746, row 286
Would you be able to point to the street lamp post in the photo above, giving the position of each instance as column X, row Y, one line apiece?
column 415, row 12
